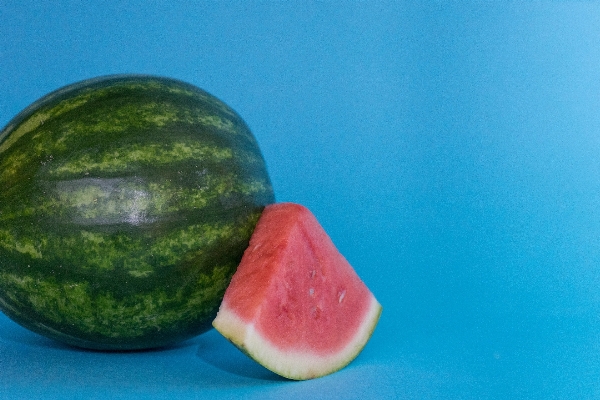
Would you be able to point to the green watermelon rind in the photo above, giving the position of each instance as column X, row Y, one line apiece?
column 115, row 238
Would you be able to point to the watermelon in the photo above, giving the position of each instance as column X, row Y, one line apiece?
column 295, row 305
column 126, row 204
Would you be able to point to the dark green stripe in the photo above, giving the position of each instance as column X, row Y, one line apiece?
column 101, row 252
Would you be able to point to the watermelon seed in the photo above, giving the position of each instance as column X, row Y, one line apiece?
column 341, row 295
column 311, row 292
column 315, row 312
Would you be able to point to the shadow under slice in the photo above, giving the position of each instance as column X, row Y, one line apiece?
column 220, row 353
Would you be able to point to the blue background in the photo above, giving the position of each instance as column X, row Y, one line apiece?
column 451, row 151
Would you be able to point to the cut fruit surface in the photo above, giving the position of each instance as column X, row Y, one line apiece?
column 295, row 305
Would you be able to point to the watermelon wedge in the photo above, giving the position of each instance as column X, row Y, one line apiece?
column 295, row 305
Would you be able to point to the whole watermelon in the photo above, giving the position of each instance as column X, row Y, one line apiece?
column 126, row 203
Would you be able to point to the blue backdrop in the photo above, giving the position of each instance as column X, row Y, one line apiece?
column 451, row 151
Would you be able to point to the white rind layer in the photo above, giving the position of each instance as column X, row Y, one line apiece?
column 297, row 365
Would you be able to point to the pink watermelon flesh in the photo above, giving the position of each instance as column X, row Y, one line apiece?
column 295, row 304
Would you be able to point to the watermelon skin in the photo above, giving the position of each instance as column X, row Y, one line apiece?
column 295, row 304
column 126, row 204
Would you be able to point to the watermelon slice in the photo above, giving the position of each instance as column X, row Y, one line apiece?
column 295, row 305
